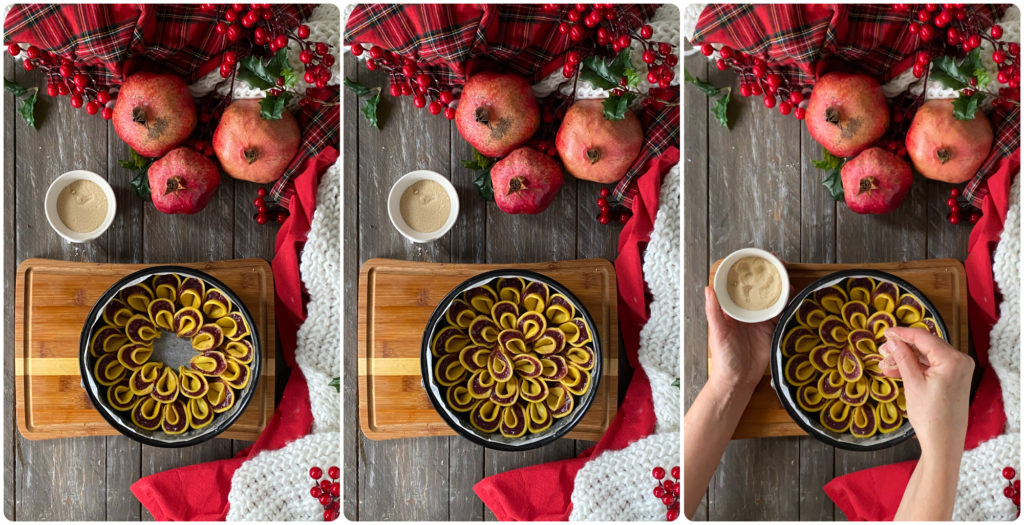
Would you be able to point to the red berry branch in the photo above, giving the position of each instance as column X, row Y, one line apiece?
column 64, row 80
column 758, row 78
column 327, row 492
column 667, row 491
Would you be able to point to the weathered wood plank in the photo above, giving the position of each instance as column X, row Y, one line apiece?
column 403, row 479
column 10, row 266
column 695, row 240
column 758, row 479
column 468, row 242
column 350, row 281
column 59, row 479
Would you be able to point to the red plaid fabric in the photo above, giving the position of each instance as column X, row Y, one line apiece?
column 108, row 40
column 803, row 41
column 452, row 41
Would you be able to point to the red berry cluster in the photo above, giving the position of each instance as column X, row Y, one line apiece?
column 668, row 491
column 408, row 80
column 757, row 79
column 958, row 212
column 265, row 214
column 611, row 31
column 327, row 492
column 268, row 29
column 962, row 30
column 604, row 205
column 1012, row 489
column 63, row 80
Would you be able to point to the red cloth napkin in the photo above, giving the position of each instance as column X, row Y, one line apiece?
column 543, row 492
column 200, row 492
column 874, row 494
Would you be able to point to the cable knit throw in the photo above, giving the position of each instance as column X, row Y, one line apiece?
column 274, row 485
column 617, row 485
column 979, row 493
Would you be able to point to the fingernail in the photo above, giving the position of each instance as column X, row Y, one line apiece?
column 885, row 348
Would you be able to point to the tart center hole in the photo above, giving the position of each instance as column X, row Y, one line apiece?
column 172, row 351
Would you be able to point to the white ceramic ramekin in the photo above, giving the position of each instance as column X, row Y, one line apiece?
column 50, row 205
column 395, row 198
column 725, row 300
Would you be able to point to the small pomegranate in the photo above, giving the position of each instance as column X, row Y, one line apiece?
column 497, row 113
column 945, row 148
column 847, row 113
column 875, row 181
column 182, row 181
column 595, row 148
column 251, row 148
column 154, row 112
column 525, row 181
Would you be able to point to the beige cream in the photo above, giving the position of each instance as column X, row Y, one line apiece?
column 753, row 283
column 425, row 206
column 82, row 206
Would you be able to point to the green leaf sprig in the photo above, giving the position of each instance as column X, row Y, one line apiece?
column 953, row 75
column 482, row 182
column 138, row 166
column 27, row 108
column 253, row 71
column 336, row 383
column 833, row 177
column 607, row 75
column 721, row 97
column 369, row 108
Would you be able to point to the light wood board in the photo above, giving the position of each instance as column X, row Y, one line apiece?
column 396, row 300
column 52, row 302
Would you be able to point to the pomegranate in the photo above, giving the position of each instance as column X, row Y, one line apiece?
column 497, row 113
column 595, row 148
column 847, row 113
column 251, row 148
column 182, row 181
column 876, row 181
column 526, row 181
column 945, row 148
column 154, row 112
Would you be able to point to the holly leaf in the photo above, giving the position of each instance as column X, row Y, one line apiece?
column 676, row 382
column 357, row 88
column 632, row 77
column 370, row 110
column 28, row 110
column 272, row 107
column 615, row 106
column 947, row 72
column 252, row 71
column 834, row 182
column 16, row 89
column 964, row 108
column 479, row 162
column 141, row 184
column 606, row 75
column 290, row 78
column 983, row 78
column 706, row 87
column 336, row 383
column 829, row 162
column 483, row 185
column 721, row 108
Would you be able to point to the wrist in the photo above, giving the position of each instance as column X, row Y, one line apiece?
column 730, row 390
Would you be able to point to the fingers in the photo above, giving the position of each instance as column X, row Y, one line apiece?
column 933, row 348
column 906, row 361
column 711, row 309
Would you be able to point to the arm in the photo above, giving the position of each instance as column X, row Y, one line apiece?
column 739, row 352
column 937, row 384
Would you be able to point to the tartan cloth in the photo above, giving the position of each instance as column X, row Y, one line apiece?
column 804, row 41
column 453, row 41
column 107, row 41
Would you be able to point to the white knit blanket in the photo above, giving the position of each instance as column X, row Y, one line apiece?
column 617, row 485
column 274, row 485
column 979, row 494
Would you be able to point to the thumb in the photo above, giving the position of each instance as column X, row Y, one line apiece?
column 711, row 309
column 906, row 362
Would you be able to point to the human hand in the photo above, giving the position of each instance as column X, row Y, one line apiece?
column 937, row 385
column 739, row 351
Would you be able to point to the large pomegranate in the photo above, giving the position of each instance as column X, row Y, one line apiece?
column 497, row 113
column 525, row 181
column 154, row 112
column 847, row 113
column 182, row 181
column 251, row 148
column 595, row 148
column 876, row 181
column 945, row 148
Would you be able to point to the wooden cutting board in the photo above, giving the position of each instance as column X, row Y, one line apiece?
column 943, row 281
column 396, row 300
column 52, row 301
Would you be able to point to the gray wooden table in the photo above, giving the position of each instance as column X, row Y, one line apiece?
column 89, row 478
column 754, row 185
column 432, row 478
